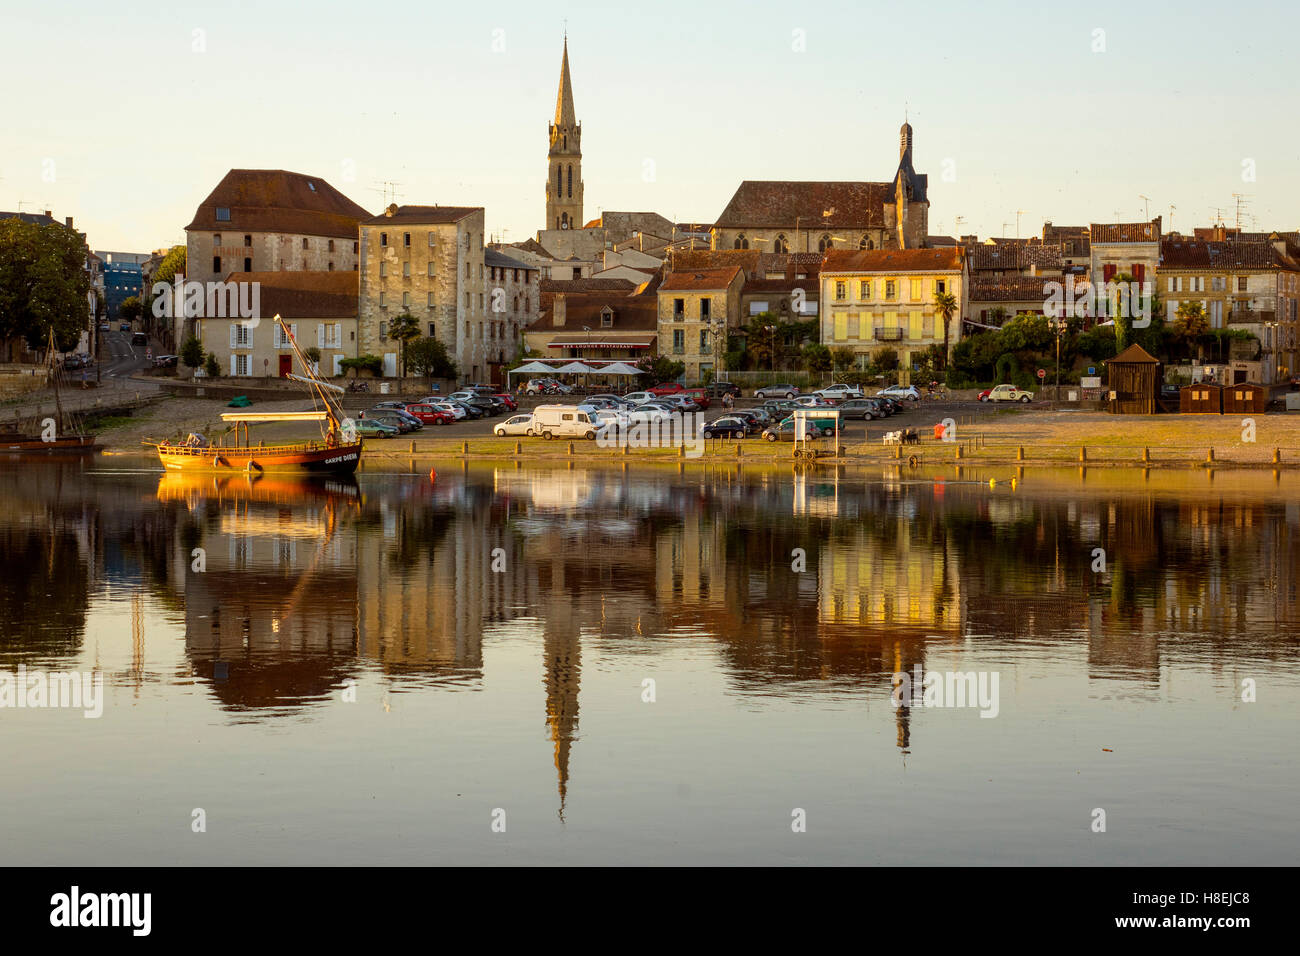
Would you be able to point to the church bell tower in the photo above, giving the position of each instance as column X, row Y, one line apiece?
column 564, row 173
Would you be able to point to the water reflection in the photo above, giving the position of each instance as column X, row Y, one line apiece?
column 813, row 586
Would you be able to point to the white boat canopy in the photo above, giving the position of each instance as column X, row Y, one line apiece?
column 252, row 418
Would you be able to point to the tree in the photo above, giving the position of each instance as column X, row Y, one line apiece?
column 428, row 357
column 313, row 356
column 945, row 304
column 192, row 352
column 362, row 363
column 173, row 264
column 405, row 328
column 841, row 358
column 130, row 309
column 817, row 357
column 1191, row 325
column 886, row 359
column 212, row 367
column 43, row 283
column 661, row 369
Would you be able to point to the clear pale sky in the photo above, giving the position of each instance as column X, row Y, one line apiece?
column 135, row 126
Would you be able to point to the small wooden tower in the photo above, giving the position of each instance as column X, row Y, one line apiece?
column 1132, row 383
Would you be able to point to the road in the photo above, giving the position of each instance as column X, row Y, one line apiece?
column 118, row 357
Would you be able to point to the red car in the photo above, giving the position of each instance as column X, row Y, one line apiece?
column 666, row 388
column 700, row 396
column 505, row 397
column 430, row 415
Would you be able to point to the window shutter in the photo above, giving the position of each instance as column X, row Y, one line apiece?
column 234, row 331
column 293, row 331
column 338, row 335
column 320, row 335
column 232, row 363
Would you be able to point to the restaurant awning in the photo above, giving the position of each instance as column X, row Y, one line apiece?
column 619, row 368
column 598, row 345
column 574, row 368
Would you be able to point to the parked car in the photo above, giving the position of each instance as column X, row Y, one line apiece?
column 731, row 426
column 562, row 421
column 1009, row 393
column 812, row 401
column 762, row 417
column 455, row 408
column 124, row 327
column 718, row 389
column 862, row 408
column 667, row 388
column 391, row 416
column 636, row 398
column 1170, row 393
column 104, row 327
column 77, row 361
column 700, row 396
column 515, row 425
column 619, row 401
column 778, row 407
column 472, row 412
column 839, row 392
column 430, row 414
column 784, row 431
column 507, row 399
column 165, row 361
column 139, row 338
column 908, row 392
column 596, row 403
column 776, row 391
column 374, row 428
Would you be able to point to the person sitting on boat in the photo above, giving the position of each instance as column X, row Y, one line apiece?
column 196, row 441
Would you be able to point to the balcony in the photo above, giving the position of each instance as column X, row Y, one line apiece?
column 679, row 316
column 887, row 335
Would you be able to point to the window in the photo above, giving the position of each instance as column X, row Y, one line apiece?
column 841, row 326
column 866, row 243
column 891, row 289
column 248, row 240
column 241, row 336
column 841, row 291
column 704, row 341
column 606, row 317
column 432, row 303
column 355, row 246
column 570, row 196
column 330, row 267
column 779, row 244
column 248, row 264
column 679, row 309
column 223, row 214
column 216, row 264
column 304, row 243
column 383, row 331
column 383, row 268
column 679, row 341
column 940, row 286
column 216, row 239
column 705, row 307
column 406, row 300
column 383, row 239
column 864, row 289
column 916, row 290
column 741, row 241
column 430, row 267
column 430, row 240
column 467, row 270
column 433, row 328
column 383, row 300
column 825, row 242
column 282, row 340
column 1241, row 283
column 406, row 239
column 406, row 269
column 1217, row 283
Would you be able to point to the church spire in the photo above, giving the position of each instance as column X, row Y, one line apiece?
column 564, row 112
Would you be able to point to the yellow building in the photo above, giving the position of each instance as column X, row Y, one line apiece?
column 872, row 300
column 695, row 310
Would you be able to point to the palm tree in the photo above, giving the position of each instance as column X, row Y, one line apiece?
column 405, row 328
column 945, row 304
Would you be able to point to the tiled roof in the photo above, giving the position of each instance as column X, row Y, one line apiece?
column 940, row 241
column 553, row 286
column 1134, row 353
column 535, row 247
column 1229, row 254
column 986, row 258
column 776, row 204
column 1125, row 231
column 422, row 215
column 305, row 295
column 631, row 313
column 494, row 259
column 1010, row 288
column 784, row 286
column 689, row 280
column 948, row 258
column 698, row 259
column 1053, row 233
column 274, row 200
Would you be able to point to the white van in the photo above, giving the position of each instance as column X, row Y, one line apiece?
column 563, row 421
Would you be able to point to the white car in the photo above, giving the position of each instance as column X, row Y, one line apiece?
column 636, row 398
column 517, row 425
column 1009, row 393
column 463, row 396
column 840, row 392
column 815, row 400
column 445, row 406
column 900, row 391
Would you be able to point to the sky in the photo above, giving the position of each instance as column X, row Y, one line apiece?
column 130, row 113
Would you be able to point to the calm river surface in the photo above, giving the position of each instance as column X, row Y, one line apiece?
column 651, row 667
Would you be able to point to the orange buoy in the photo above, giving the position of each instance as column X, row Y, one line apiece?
column 433, row 474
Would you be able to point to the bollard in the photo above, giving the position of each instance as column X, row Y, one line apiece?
column 570, row 448
column 681, row 451
column 627, row 449
column 738, row 450
column 1020, row 453
column 412, row 446
column 1277, row 456
column 898, row 451
column 958, row 455
column 519, row 448
column 1210, row 456
column 1146, row 455
column 464, row 448
column 1083, row 453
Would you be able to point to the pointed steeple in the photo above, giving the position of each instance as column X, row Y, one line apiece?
column 564, row 112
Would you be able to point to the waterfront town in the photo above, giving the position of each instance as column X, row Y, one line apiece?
column 782, row 499
column 800, row 283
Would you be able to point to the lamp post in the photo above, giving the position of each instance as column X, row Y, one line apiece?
column 771, row 335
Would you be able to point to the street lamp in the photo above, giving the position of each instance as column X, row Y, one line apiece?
column 771, row 333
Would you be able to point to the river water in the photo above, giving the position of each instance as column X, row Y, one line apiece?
column 677, row 665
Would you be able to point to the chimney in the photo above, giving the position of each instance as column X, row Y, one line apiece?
column 559, row 310
column 391, row 211
column 49, row 214
column 69, row 222
column 1279, row 244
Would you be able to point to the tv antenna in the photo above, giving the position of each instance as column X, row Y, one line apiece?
column 1146, row 207
column 389, row 190
column 1241, row 202
column 1019, row 213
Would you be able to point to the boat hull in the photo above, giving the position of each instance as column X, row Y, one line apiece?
column 33, row 445
column 314, row 459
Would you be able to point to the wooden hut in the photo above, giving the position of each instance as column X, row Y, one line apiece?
column 1203, row 398
column 1244, row 397
column 1132, row 382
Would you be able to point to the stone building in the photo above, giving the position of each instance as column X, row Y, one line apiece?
column 818, row 216
column 697, row 310
column 875, row 299
column 1124, row 248
column 564, row 158
column 514, row 300
column 426, row 261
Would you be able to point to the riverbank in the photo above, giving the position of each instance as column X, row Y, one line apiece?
column 979, row 434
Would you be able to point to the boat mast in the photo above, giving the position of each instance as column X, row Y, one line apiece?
column 332, row 408
column 52, row 375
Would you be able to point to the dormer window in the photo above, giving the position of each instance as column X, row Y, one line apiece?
column 606, row 317
column 223, row 214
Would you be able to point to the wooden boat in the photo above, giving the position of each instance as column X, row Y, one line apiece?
column 67, row 436
column 338, row 452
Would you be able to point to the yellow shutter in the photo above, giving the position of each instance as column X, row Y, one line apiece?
column 841, row 326
column 916, row 290
column 915, row 320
